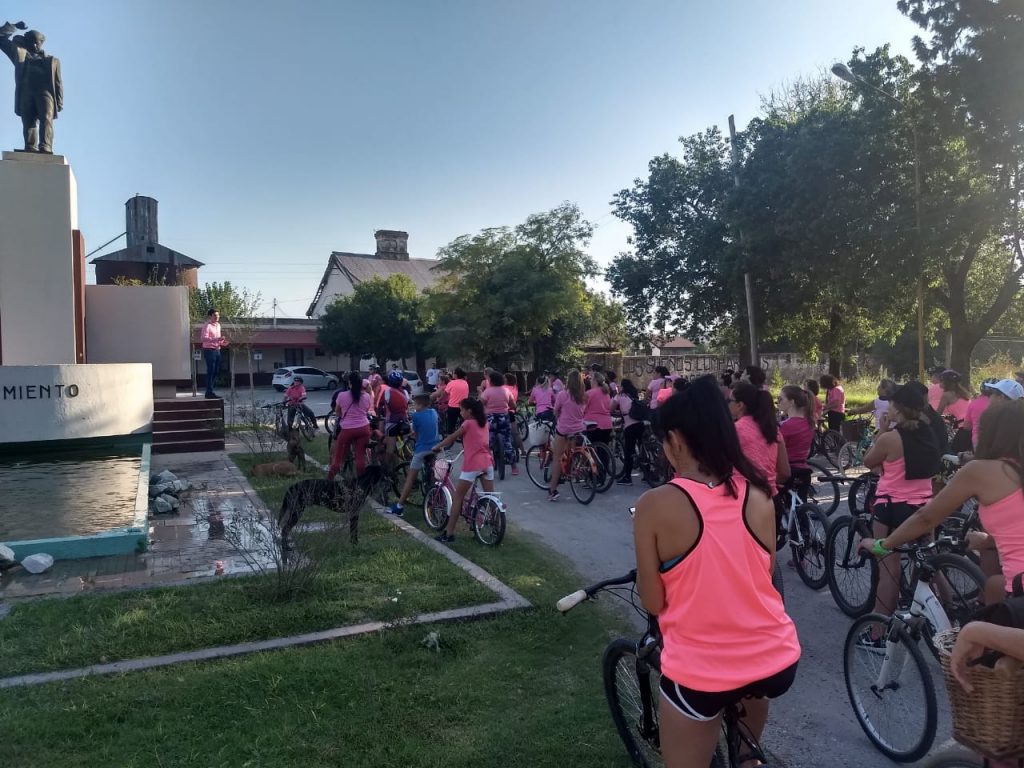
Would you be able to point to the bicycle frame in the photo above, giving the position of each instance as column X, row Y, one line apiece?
column 474, row 495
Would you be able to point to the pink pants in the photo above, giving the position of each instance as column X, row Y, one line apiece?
column 357, row 437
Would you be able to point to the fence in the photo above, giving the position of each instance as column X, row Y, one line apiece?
column 792, row 367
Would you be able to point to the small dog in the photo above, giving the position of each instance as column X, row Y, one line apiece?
column 331, row 494
column 295, row 453
column 275, row 468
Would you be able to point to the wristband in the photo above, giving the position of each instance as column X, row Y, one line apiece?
column 879, row 549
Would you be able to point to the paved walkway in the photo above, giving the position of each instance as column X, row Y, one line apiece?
column 181, row 549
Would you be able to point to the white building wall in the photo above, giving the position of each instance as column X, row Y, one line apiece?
column 38, row 211
column 139, row 324
column 337, row 285
column 68, row 402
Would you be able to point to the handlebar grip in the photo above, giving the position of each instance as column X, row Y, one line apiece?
column 952, row 458
column 569, row 602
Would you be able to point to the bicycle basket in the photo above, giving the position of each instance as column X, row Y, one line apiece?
column 990, row 719
column 853, row 430
column 441, row 465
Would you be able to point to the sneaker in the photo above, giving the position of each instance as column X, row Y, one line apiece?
column 515, row 470
column 553, row 495
column 444, row 538
column 873, row 644
column 396, row 509
column 624, row 481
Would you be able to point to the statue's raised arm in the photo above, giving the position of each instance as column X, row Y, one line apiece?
column 38, row 89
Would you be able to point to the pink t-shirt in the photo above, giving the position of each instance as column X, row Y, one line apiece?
column 972, row 421
column 458, row 390
column 294, row 394
column 597, row 407
column 624, row 403
column 835, row 399
column 513, row 391
column 568, row 414
column 210, row 335
column 764, row 456
column 475, row 444
column 957, row 409
column 543, row 398
column 798, row 436
column 353, row 415
column 495, row 400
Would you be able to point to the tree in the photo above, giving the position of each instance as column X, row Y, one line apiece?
column 381, row 318
column 607, row 322
column 508, row 294
column 237, row 308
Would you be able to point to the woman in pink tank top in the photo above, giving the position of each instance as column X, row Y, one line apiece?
column 704, row 541
column 996, row 479
column 908, row 457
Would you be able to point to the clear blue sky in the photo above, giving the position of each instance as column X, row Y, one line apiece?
column 273, row 133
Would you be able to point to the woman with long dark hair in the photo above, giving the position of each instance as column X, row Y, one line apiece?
column 569, row 405
column 703, row 541
column 477, row 461
column 353, row 407
column 835, row 401
column 759, row 436
column 632, row 430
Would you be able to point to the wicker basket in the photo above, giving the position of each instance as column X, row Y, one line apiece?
column 990, row 719
column 441, row 465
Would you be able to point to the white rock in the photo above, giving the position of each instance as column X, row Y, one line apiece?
column 179, row 486
column 37, row 563
column 170, row 500
column 167, row 476
column 159, row 488
column 6, row 553
column 161, row 506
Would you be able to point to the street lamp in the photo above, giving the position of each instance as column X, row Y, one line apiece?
column 844, row 73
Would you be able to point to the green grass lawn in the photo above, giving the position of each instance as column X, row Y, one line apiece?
column 520, row 689
column 357, row 584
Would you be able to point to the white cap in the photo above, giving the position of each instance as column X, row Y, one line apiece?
column 1012, row 389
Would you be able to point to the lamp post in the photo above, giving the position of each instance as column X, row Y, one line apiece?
column 844, row 73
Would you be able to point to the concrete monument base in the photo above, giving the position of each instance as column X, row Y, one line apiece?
column 38, row 214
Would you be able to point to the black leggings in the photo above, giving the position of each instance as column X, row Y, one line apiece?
column 453, row 419
column 835, row 419
column 632, row 435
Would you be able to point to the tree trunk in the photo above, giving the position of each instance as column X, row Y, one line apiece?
column 965, row 338
column 353, row 363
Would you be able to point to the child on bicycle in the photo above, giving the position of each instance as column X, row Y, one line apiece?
column 294, row 397
column 498, row 403
column 394, row 406
column 477, row 462
column 426, row 430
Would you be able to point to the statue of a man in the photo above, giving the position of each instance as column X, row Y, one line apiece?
column 38, row 90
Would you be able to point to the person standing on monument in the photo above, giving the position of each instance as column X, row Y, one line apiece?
column 38, row 88
column 212, row 342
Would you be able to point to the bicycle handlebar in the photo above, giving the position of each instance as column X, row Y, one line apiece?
column 570, row 601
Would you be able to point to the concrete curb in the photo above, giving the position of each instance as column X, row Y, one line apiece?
column 510, row 600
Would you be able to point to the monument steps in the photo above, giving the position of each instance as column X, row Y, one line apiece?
column 187, row 425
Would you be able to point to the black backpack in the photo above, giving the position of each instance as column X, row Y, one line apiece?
column 638, row 411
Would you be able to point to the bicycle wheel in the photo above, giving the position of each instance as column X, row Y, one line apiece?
column 498, row 454
column 861, row 495
column 489, row 521
column 824, row 490
column 829, row 446
column 890, row 688
column 582, row 478
column 523, row 427
column 960, row 586
column 852, row 574
column 957, row 757
column 811, row 557
column 538, row 465
column 437, row 507
column 847, row 458
column 605, row 461
column 631, row 689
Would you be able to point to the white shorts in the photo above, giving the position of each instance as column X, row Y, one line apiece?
column 483, row 474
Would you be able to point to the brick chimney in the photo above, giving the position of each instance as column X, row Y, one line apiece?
column 392, row 244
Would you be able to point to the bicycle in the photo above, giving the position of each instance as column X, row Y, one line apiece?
column 632, row 672
column 485, row 512
column 851, row 454
column 580, row 465
column 300, row 420
column 827, row 443
column 651, row 461
column 804, row 527
column 424, row 479
column 879, row 672
column 496, row 444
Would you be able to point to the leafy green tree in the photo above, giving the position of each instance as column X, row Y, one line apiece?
column 512, row 293
column 607, row 322
column 382, row 318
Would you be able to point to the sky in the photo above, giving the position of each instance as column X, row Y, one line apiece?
column 274, row 133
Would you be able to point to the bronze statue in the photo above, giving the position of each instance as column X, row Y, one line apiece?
column 38, row 90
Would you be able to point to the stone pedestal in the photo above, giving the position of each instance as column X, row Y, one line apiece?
column 38, row 213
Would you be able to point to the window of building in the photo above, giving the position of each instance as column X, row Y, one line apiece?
column 294, row 356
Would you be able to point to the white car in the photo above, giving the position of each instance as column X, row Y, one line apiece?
column 415, row 382
column 312, row 378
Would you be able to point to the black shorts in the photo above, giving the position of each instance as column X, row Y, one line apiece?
column 401, row 428
column 701, row 706
column 894, row 513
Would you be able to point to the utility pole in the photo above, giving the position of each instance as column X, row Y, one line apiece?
column 748, row 289
column 275, row 313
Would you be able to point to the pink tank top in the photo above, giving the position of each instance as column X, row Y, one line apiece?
column 894, row 486
column 1004, row 521
column 705, row 647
